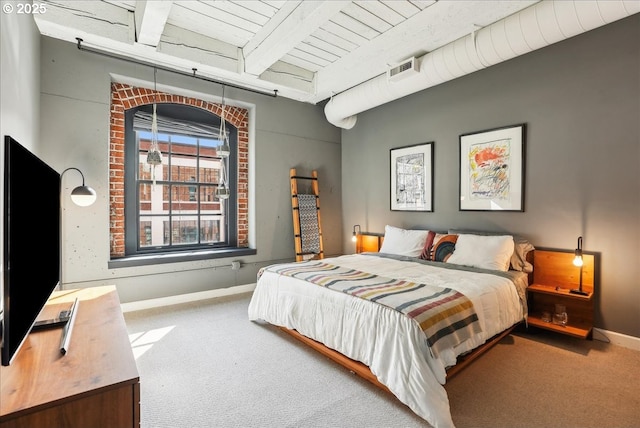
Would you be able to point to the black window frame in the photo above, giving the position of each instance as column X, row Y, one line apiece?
column 179, row 112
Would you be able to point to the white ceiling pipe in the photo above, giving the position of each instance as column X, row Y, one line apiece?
column 540, row 25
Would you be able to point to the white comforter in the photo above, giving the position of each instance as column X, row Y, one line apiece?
column 392, row 345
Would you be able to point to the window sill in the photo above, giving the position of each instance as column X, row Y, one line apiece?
column 177, row 257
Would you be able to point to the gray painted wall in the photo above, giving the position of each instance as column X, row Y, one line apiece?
column 580, row 100
column 19, row 94
column 20, row 83
column 74, row 110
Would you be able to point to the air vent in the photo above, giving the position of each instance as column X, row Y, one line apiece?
column 403, row 70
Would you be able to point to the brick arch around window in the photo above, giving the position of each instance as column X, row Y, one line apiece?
column 125, row 97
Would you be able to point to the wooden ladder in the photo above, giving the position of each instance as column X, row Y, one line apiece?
column 306, row 218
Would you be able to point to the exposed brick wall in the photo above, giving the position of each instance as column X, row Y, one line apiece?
column 125, row 97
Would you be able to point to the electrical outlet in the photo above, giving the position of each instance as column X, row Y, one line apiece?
column 235, row 265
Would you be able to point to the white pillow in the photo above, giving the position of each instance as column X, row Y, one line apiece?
column 486, row 252
column 403, row 242
column 521, row 248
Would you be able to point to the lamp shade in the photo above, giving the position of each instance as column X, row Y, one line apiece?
column 83, row 196
column 223, row 192
column 224, row 150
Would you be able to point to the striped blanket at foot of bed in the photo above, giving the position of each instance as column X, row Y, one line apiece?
column 446, row 316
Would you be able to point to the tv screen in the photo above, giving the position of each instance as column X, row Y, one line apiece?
column 31, row 252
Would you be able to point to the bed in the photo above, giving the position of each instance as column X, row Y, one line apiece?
column 407, row 313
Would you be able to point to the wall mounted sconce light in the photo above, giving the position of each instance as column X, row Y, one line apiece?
column 84, row 195
column 579, row 262
column 354, row 238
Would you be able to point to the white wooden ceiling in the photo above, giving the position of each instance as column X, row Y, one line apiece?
column 306, row 50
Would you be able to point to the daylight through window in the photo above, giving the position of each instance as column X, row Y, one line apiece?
column 177, row 207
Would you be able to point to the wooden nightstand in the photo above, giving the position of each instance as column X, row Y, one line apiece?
column 369, row 242
column 554, row 275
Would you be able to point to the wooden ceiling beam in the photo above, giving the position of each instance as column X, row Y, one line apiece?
column 151, row 17
column 293, row 23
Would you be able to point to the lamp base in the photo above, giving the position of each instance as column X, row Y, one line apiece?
column 580, row 292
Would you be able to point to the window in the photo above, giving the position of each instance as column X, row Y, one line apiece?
column 126, row 230
column 173, row 206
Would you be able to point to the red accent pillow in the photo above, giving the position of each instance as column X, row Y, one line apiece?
column 426, row 251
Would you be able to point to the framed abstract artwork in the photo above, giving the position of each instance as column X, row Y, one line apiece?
column 412, row 178
column 492, row 166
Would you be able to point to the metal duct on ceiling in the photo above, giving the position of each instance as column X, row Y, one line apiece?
column 535, row 27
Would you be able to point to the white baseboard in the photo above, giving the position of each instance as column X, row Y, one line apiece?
column 186, row 298
column 619, row 339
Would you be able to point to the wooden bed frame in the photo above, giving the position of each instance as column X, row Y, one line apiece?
column 363, row 370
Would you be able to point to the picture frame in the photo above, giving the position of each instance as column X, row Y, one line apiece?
column 411, row 178
column 492, row 169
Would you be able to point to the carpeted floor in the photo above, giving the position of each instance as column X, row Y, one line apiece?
column 205, row 364
column 545, row 379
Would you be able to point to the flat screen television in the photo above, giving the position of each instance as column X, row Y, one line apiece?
column 31, row 251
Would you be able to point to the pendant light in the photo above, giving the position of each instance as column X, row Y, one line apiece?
column 223, row 150
column 154, row 156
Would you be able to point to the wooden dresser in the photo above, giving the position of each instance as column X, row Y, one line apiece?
column 96, row 384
